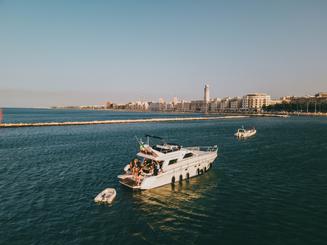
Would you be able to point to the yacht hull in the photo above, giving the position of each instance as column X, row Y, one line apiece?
column 192, row 168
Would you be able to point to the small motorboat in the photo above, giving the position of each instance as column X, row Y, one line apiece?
column 106, row 196
column 245, row 133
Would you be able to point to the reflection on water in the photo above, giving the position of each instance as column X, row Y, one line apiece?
column 169, row 194
column 169, row 207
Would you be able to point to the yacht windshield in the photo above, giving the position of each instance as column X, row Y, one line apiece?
column 166, row 148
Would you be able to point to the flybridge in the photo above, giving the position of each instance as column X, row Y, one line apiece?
column 164, row 147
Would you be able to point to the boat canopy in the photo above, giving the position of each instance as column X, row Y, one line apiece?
column 166, row 148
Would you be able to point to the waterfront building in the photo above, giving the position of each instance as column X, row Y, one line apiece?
column 214, row 105
column 255, row 101
column 119, row 106
column 183, row 106
column 154, row 106
column 225, row 104
column 235, row 104
column 175, row 101
column 197, row 105
column 145, row 106
column 109, row 105
column 138, row 106
column 162, row 105
column 89, row 107
column 158, row 106
column 307, row 103
column 286, row 99
column 276, row 101
column 170, row 107
column 321, row 95
column 302, row 99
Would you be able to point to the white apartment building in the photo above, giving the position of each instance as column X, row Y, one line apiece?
column 158, row 106
column 214, row 105
column 138, row 106
column 255, row 101
column 225, row 103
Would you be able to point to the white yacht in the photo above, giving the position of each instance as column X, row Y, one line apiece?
column 245, row 133
column 166, row 163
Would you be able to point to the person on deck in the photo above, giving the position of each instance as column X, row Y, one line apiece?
column 155, row 169
column 131, row 167
column 138, row 175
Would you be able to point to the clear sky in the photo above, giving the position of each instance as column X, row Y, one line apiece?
column 86, row 52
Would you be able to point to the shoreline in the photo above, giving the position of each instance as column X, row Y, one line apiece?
column 230, row 113
column 226, row 113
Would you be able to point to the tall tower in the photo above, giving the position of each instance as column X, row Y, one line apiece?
column 206, row 94
column 206, row 99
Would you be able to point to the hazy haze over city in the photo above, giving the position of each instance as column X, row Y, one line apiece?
column 87, row 52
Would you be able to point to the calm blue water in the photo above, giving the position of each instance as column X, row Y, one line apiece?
column 270, row 189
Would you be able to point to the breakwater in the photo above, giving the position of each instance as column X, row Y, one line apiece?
column 125, row 121
column 142, row 120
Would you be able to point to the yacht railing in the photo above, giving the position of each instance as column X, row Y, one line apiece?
column 202, row 148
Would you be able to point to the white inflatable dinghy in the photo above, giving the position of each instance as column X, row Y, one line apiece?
column 106, row 196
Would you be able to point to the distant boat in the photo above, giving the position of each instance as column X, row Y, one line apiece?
column 245, row 133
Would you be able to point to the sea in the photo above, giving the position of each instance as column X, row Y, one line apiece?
column 268, row 189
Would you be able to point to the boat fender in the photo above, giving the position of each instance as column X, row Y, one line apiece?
column 173, row 180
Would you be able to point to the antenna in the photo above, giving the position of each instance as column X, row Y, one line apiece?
column 138, row 140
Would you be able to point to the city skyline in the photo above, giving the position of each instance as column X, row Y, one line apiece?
column 248, row 103
column 60, row 53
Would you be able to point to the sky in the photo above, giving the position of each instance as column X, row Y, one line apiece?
column 88, row 52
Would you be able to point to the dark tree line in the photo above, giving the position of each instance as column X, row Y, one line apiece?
column 297, row 107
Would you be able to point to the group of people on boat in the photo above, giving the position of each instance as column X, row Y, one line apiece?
column 145, row 168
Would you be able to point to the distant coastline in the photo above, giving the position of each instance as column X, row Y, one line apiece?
column 246, row 113
column 236, row 113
